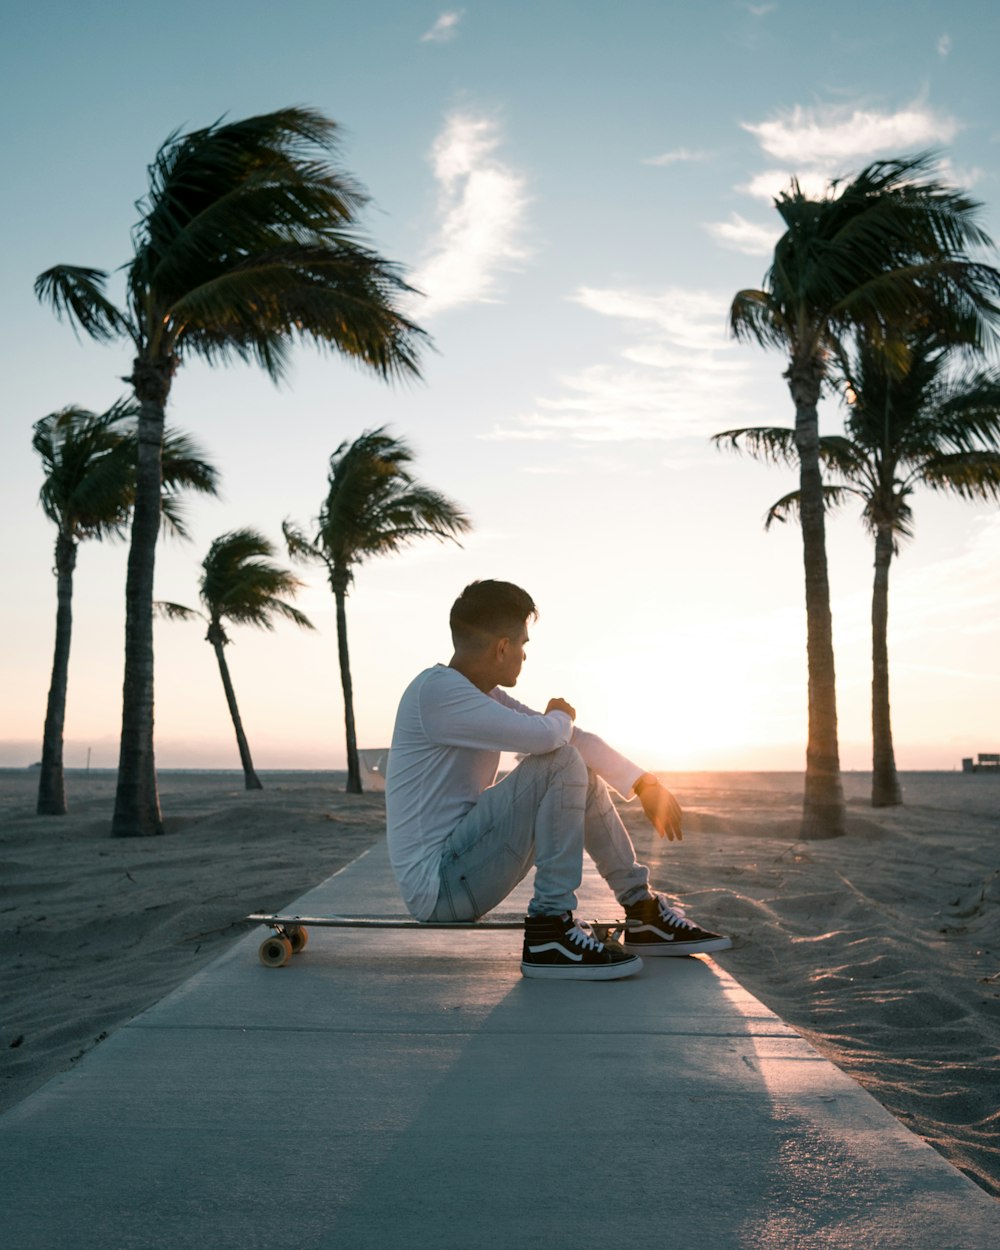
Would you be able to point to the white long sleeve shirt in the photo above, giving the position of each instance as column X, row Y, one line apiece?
column 445, row 752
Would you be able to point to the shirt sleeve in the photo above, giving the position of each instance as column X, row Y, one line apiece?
column 620, row 773
column 459, row 715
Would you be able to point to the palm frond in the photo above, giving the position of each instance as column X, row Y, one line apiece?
column 175, row 611
column 240, row 584
column 374, row 506
column 196, row 182
column 972, row 475
column 783, row 509
column 78, row 294
column 787, row 507
column 185, row 465
column 280, row 608
column 756, row 317
column 88, row 458
column 249, row 240
column 968, row 414
column 884, row 247
column 299, row 546
column 842, row 455
column 770, row 444
column 339, row 298
column 183, row 468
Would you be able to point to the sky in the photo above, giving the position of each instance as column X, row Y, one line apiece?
column 578, row 189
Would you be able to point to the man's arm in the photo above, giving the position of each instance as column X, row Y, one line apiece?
column 459, row 715
column 661, row 808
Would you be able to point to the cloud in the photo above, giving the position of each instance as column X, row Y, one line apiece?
column 679, row 154
column 944, row 45
column 445, row 28
column 678, row 375
column 817, row 144
column 741, row 235
column 831, row 136
column 481, row 207
column 958, row 176
column 760, row 10
column 768, row 184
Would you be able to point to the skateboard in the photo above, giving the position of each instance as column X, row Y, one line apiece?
column 290, row 934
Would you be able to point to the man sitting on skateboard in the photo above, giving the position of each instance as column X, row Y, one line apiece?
column 459, row 844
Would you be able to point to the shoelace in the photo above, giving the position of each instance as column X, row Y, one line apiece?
column 674, row 917
column 581, row 934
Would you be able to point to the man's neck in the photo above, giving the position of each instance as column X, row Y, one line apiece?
column 476, row 673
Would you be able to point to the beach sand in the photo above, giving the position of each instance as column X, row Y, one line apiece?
column 882, row 948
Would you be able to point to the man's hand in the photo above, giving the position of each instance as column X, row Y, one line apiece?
column 660, row 806
column 560, row 705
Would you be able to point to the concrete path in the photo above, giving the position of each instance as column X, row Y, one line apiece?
column 413, row 1090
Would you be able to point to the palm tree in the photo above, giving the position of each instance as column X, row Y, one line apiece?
column 887, row 242
column 247, row 242
column 89, row 491
column 929, row 424
column 239, row 584
column 373, row 507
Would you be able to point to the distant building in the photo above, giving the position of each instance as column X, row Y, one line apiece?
column 984, row 763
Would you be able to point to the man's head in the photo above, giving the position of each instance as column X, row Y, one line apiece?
column 489, row 627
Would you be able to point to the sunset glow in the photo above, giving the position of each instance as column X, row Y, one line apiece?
column 578, row 220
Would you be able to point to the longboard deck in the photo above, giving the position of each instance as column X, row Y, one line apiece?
column 387, row 922
column 290, row 934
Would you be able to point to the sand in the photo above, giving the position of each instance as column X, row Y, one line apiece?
column 882, row 948
column 95, row 929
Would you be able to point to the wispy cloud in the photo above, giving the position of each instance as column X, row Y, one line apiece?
column 818, row 145
column 678, row 154
column 482, row 205
column 678, row 375
column 944, row 45
column 445, row 28
column 831, row 136
column 958, row 176
column 760, row 10
column 741, row 235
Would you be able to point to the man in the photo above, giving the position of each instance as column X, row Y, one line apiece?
column 459, row 844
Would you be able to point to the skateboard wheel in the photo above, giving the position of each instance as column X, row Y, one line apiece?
column 275, row 951
column 298, row 935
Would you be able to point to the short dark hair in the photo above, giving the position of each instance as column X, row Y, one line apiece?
column 489, row 609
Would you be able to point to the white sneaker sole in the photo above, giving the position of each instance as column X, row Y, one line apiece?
column 584, row 972
column 656, row 949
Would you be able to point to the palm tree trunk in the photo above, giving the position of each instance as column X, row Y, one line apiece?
column 823, row 804
column 250, row 778
column 353, row 765
column 137, row 802
column 51, row 783
column 886, row 791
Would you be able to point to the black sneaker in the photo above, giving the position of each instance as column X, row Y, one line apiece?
column 559, row 946
column 655, row 928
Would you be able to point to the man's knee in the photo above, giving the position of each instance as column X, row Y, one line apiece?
column 594, row 781
column 565, row 761
column 596, row 785
column 568, row 760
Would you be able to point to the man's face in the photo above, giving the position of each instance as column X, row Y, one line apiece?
column 511, row 657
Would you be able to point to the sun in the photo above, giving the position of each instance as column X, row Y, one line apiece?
column 708, row 703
